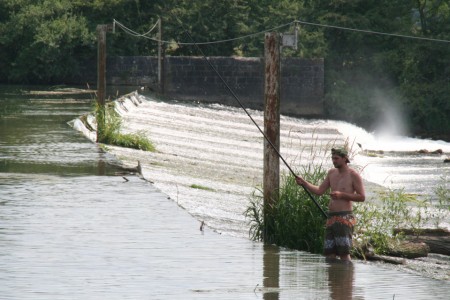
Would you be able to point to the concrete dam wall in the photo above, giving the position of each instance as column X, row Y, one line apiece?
column 191, row 78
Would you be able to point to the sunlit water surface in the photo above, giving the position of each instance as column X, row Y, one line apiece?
column 70, row 229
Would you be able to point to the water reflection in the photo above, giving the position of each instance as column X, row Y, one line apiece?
column 271, row 272
column 341, row 280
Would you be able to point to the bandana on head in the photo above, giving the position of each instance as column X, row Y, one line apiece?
column 342, row 152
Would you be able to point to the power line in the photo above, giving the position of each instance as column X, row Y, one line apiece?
column 145, row 35
column 373, row 32
column 134, row 33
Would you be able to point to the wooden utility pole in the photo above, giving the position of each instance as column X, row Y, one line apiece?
column 161, row 54
column 272, row 70
column 101, row 76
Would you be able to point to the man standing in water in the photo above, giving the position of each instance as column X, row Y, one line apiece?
column 346, row 186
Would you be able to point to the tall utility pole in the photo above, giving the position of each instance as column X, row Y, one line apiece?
column 101, row 75
column 160, row 58
column 272, row 70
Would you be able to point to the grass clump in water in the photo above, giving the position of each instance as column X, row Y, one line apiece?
column 395, row 209
column 111, row 134
column 201, row 187
column 294, row 221
column 377, row 219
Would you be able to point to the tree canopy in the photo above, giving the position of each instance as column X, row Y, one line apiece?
column 44, row 41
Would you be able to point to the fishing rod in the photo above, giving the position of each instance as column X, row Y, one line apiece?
column 251, row 118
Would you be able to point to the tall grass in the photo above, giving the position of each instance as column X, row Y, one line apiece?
column 442, row 204
column 110, row 134
column 377, row 219
column 395, row 209
column 295, row 222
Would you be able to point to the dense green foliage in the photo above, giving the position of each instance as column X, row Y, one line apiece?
column 294, row 221
column 367, row 75
column 110, row 133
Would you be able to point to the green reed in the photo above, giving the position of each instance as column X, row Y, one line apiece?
column 377, row 219
column 442, row 204
column 110, row 134
column 294, row 222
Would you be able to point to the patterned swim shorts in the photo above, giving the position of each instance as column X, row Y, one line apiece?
column 338, row 233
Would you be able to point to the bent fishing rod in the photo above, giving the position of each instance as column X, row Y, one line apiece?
column 251, row 118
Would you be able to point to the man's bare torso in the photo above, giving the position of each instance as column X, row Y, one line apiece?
column 342, row 182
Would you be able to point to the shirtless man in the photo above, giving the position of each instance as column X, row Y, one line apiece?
column 346, row 187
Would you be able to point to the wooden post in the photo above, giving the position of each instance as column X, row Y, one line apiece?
column 271, row 181
column 101, row 76
column 161, row 54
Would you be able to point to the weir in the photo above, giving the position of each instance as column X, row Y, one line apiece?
column 217, row 147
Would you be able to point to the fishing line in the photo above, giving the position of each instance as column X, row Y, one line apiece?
column 251, row 118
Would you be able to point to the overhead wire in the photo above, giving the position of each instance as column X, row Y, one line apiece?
column 372, row 32
column 132, row 32
column 145, row 35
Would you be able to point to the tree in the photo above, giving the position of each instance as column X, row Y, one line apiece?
column 42, row 41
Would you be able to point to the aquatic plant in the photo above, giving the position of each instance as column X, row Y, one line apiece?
column 395, row 209
column 377, row 219
column 201, row 187
column 110, row 132
column 295, row 222
column 442, row 203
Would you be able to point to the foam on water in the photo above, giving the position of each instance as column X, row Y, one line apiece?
column 387, row 142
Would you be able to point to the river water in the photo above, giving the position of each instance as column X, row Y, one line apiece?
column 71, row 229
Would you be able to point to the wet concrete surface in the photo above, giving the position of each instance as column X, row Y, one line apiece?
column 194, row 264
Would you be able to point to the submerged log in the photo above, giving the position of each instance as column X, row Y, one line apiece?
column 388, row 259
column 437, row 244
column 409, row 250
column 437, row 239
column 396, row 253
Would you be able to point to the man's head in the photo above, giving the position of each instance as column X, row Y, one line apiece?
column 342, row 152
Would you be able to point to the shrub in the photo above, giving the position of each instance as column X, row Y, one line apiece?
column 110, row 134
column 295, row 221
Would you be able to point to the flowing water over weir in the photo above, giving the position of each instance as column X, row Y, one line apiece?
column 219, row 148
column 71, row 229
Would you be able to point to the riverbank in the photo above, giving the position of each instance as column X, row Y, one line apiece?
column 209, row 160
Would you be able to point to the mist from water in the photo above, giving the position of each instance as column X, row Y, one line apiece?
column 390, row 130
column 391, row 121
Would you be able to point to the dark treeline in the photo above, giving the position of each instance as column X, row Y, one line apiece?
column 367, row 75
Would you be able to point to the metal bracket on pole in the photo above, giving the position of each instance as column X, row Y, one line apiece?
column 290, row 40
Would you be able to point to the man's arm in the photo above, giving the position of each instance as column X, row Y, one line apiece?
column 318, row 190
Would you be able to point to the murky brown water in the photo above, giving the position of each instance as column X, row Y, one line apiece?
column 69, row 229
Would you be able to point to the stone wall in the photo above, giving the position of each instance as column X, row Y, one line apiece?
column 192, row 78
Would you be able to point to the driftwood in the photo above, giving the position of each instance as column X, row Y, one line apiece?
column 437, row 239
column 396, row 254
column 388, row 259
column 409, row 250
column 418, row 243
